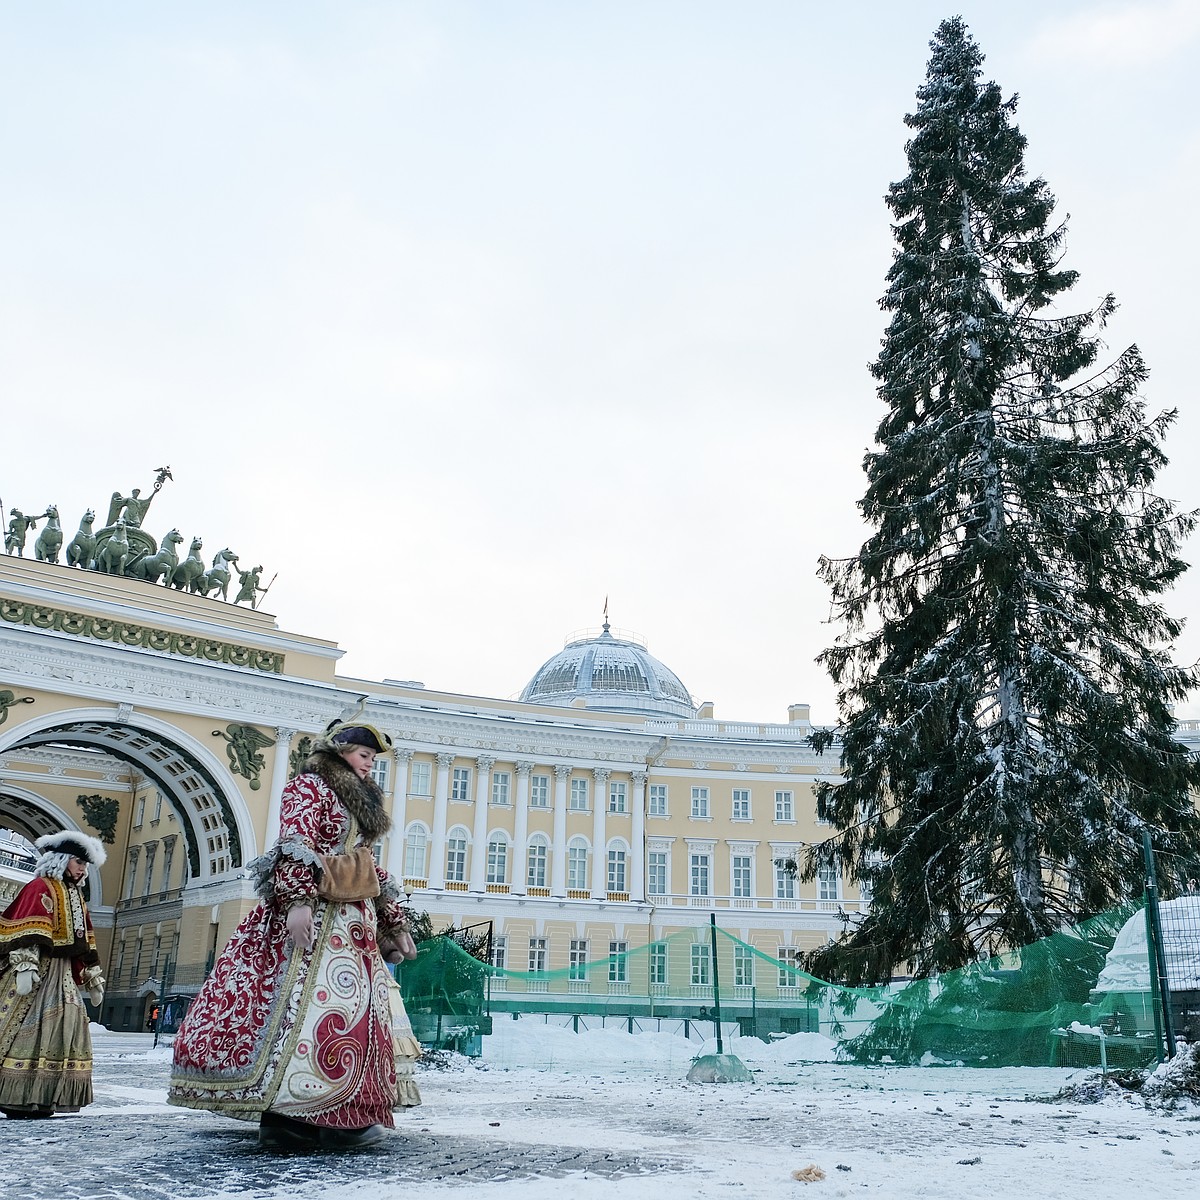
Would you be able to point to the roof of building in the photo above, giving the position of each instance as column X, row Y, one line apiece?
column 612, row 674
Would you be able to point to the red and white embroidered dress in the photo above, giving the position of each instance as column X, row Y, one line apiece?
column 316, row 1035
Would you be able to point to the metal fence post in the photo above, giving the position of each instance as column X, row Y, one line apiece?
column 1158, row 958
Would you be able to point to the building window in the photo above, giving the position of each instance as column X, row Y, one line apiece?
column 699, row 802
column 617, row 798
column 743, row 966
column 743, row 874
column 699, row 875
column 381, row 772
column 741, row 804
column 497, row 860
column 828, row 881
column 577, row 864
column 499, row 955
column 456, row 858
column 416, row 842
column 789, row 964
column 579, row 795
column 536, row 873
column 158, row 803
column 537, row 956
column 578, row 959
column 419, row 779
column 785, row 883
column 539, row 791
column 131, row 871
column 460, row 784
column 656, row 873
column 701, row 965
column 785, row 806
column 139, row 812
column 658, row 964
column 500, row 787
column 618, row 964
column 616, row 870
column 658, row 800
column 151, row 847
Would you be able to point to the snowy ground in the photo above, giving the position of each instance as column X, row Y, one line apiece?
column 546, row 1113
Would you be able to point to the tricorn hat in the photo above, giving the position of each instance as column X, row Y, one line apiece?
column 71, row 841
column 351, row 731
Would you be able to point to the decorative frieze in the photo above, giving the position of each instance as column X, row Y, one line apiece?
column 123, row 633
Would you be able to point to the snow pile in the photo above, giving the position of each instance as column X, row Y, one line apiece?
column 1127, row 967
column 1177, row 1081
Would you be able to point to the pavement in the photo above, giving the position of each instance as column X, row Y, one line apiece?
column 129, row 1144
column 627, row 1129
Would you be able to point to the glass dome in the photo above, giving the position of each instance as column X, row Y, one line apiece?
column 612, row 674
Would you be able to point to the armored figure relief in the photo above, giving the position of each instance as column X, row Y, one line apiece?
column 18, row 525
column 243, row 746
column 250, row 590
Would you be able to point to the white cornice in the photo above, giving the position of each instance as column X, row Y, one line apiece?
column 133, row 614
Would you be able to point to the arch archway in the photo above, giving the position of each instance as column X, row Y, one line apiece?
column 33, row 816
column 216, row 824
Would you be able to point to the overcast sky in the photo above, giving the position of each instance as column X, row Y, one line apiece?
column 461, row 317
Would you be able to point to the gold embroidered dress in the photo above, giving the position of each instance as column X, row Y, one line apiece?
column 317, row 1035
column 45, row 1041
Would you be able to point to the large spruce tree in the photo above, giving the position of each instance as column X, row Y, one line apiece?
column 1004, row 676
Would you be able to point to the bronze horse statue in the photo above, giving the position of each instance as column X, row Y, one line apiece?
column 190, row 571
column 49, row 541
column 218, row 578
column 152, row 567
column 114, row 555
column 81, row 549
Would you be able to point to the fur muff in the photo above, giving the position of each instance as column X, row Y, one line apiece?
column 363, row 798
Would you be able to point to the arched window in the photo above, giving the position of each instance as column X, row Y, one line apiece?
column 539, row 849
column 617, row 862
column 577, row 864
column 497, row 859
column 456, row 856
column 416, row 846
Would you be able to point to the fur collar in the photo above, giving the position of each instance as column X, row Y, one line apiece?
column 362, row 797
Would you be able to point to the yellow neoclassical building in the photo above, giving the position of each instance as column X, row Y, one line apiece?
column 598, row 813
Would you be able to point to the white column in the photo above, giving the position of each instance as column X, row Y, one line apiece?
column 599, row 851
column 279, row 769
column 521, row 831
column 637, row 836
column 395, row 857
column 437, row 838
column 477, row 881
column 558, row 845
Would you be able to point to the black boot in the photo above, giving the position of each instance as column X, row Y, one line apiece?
column 351, row 1139
column 277, row 1132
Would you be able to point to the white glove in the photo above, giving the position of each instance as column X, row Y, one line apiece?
column 93, row 981
column 300, row 927
column 25, row 962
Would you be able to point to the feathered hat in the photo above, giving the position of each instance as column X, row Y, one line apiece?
column 72, row 842
column 352, row 731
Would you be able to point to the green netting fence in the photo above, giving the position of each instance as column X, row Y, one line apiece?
column 1088, row 995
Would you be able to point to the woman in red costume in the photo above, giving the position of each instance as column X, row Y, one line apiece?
column 300, row 1026
column 47, row 953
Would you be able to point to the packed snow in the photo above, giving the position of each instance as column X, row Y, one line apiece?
column 899, row 1132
